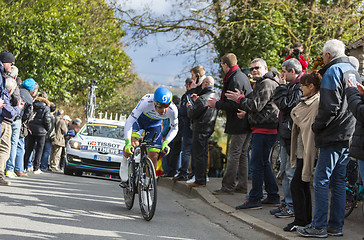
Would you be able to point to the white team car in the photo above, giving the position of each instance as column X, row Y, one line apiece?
column 97, row 147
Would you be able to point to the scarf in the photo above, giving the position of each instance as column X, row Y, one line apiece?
column 224, row 81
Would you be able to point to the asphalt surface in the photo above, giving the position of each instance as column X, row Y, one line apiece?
column 57, row 206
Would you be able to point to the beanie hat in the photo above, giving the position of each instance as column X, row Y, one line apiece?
column 7, row 57
column 29, row 84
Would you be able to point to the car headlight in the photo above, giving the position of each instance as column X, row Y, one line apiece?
column 75, row 144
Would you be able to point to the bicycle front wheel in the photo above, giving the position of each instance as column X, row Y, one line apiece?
column 147, row 188
column 130, row 190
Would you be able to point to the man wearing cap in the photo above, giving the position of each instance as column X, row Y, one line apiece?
column 7, row 61
column 28, row 90
column 59, row 143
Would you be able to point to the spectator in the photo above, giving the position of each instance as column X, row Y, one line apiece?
column 8, row 113
column 355, row 96
column 296, row 52
column 263, row 119
column 39, row 125
column 203, row 123
column 333, row 127
column 11, row 165
column 186, row 135
column 303, row 151
column 28, row 90
column 49, row 140
column 286, row 96
column 197, row 75
column 63, row 159
column 75, row 126
column 237, row 162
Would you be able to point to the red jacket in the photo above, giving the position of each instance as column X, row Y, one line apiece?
column 303, row 60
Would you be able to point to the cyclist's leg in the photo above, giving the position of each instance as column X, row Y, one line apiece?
column 153, row 151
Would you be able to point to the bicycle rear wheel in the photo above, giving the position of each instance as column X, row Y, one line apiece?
column 351, row 198
column 147, row 189
column 130, row 190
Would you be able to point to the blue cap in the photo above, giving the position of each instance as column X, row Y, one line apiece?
column 29, row 84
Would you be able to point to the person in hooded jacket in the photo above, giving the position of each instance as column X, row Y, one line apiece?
column 39, row 126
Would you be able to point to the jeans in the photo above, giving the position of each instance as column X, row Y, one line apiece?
column 20, row 150
column 261, row 169
column 361, row 168
column 287, row 174
column 330, row 169
column 12, row 165
column 185, row 155
column 44, row 162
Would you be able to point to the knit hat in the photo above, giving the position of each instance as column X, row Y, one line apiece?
column 7, row 57
column 29, row 84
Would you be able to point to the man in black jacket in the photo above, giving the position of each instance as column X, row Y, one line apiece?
column 237, row 161
column 203, row 123
column 286, row 96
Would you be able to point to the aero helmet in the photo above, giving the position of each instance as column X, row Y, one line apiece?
column 162, row 97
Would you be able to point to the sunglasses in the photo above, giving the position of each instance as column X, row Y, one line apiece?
column 256, row 68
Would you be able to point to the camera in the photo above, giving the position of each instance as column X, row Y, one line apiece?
column 296, row 52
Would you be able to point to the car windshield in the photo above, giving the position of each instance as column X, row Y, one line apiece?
column 103, row 130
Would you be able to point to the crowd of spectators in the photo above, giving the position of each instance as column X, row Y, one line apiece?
column 32, row 132
column 312, row 114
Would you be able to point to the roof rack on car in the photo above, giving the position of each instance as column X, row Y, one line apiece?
column 117, row 117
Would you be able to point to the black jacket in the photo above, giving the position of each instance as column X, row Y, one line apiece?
column 356, row 106
column 41, row 122
column 235, row 125
column 186, row 122
column 286, row 97
column 203, row 118
column 28, row 103
column 334, row 123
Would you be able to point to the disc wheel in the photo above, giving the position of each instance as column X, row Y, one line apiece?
column 130, row 190
column 147, row 189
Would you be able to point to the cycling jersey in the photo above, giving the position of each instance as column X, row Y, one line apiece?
column 146, row 109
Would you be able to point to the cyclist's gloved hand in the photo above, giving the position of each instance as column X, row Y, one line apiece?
column 128, row 147
column 165, row 148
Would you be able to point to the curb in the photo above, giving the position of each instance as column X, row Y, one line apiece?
column 204, row 194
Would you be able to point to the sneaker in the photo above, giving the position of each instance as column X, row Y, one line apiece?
column 334, row 232
column 4, row 182
column 285, row 213
column 179, row 178
column 249, row 204
column 192, row 180
column 195, row 185
column 311, row 231
column 10, row 174
column 37, row 172
column 21, row 174
column 291, row 227
column 55, row 170
column 271, row 201
column 222, row 192
column 277, row 210
column 207, row 179
column 240, row 190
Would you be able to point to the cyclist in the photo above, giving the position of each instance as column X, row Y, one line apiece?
column 147, row 115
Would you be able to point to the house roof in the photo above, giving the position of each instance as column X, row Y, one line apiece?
column 356, row 44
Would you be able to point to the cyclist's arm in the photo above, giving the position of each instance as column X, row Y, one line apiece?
column 173, row 119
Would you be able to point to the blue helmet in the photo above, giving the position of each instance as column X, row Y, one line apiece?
column 162, row 97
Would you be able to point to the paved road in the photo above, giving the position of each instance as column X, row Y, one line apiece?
column 56, row 206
